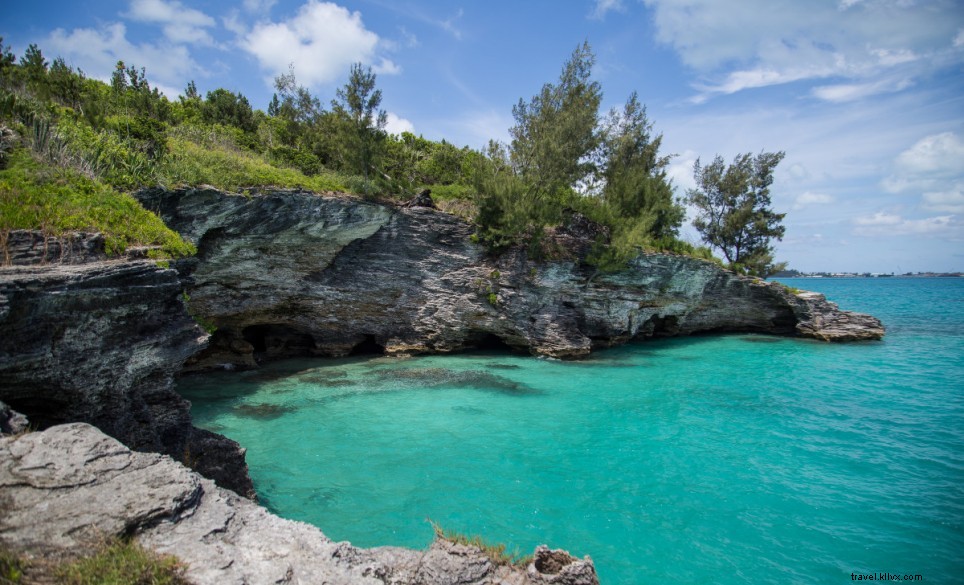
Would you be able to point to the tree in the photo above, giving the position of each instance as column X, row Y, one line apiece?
column 361, row 122
column 634, row 173
column 734, row 214
column 225, row 107
column 555, row 133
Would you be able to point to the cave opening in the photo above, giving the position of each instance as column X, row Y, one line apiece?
column 489, row 341
column 368, row 346
column 278, row 340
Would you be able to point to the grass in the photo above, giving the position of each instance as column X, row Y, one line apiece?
column 11, row 568
column 59, row 200
column 495, row 552
column 194, row 160
column 123, row 562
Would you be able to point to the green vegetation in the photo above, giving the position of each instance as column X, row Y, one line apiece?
column 734, row 210
column 122, row 562
column 89, row 142
column 495, row 552
column 564, row 158
column 113, row 562
column 11, row 568
column 61, row 200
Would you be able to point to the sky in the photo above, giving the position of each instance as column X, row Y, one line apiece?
column 865, row 97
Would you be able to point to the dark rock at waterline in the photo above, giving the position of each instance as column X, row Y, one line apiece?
column 100, row 342
column 70, row 486
column 286, row 274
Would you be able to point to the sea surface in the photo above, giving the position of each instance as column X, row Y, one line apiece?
column 713, row 459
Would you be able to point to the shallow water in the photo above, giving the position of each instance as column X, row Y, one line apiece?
column 730, row 459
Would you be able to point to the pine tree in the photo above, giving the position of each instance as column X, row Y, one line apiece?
column 735, row 217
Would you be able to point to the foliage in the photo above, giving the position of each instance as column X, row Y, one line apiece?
column 11, row 568
column 360, row 123
column 123, row 562
column 634, row 173
column 555, row 133
column 495, row 552
column 210, row 156
column 58, row 201
column 229, row 109
column 734, row 213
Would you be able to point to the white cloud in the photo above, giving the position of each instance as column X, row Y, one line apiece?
column 322, row 41
column 878, row 219
column 848, row 92
column 931, row 164
column 258, row 6
column 604, row 6
column 97, row 51
column 886, row 224
column 808, row 198
column 758, row 43
column 951, row 201
column 179, row 23
column 397, row 125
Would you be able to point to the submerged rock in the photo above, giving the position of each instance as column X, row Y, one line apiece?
column 295, row 274
column 70, row 485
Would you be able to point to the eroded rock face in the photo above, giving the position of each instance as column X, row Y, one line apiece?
column 71, row 484
column 289, row 273
column 100, row 342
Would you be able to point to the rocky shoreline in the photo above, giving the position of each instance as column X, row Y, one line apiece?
column 281, row 274
column 286, row 274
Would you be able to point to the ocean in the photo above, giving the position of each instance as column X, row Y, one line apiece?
column 726, row 459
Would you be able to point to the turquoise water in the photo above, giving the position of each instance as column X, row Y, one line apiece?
column 729, row 459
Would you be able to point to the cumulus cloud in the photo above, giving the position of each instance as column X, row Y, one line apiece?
column 808, row 199
column 179, row 23
column 758, row 43
column 397, row 125
column 933, row 164
column 322, row 40
column 96, row 51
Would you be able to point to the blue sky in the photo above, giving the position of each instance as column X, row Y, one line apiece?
column 865, row 96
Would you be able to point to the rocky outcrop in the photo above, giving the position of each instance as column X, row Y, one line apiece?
column 70, row 485
column 292, row 273
column 100, row 342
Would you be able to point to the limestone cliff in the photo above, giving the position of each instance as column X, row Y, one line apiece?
column 292, row 273
column 69, row 486
column 99, row 342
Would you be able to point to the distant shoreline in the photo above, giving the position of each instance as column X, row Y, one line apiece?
column 868, row 275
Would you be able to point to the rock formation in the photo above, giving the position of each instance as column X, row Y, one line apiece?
column 100, row 342
column 291, row 273
column 70, row 485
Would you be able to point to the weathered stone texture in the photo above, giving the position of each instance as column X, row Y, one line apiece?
column 100, row 342
column 290, row 273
